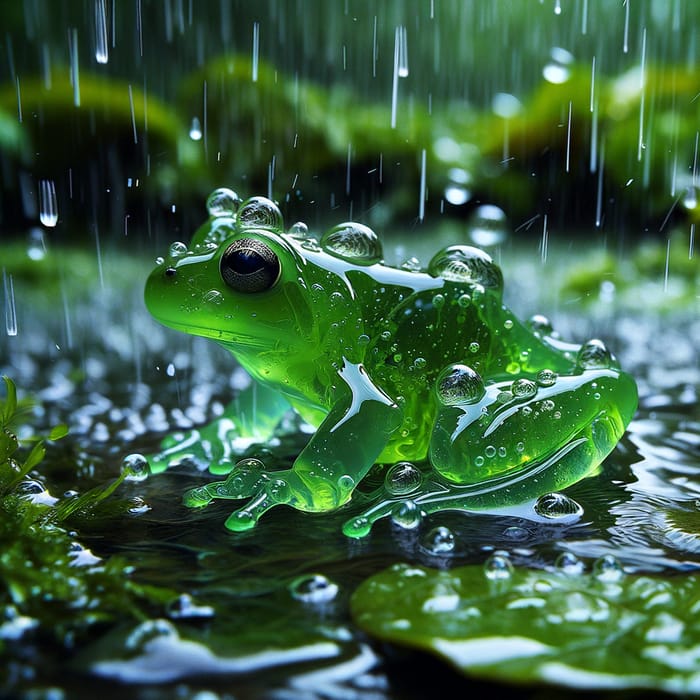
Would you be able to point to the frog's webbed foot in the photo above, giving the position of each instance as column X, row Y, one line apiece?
column 250, row 419
column 499, row 494
column 266, row 489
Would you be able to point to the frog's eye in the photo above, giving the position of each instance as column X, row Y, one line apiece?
column 248, row 265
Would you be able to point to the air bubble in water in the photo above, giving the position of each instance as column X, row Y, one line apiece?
column 48, row 206
column 440, row 540
column 135, row 466
column 406, row 514
column 608, row 569
column 498, row 567
column 554, row 506
column 314, row 589
column 569, row 564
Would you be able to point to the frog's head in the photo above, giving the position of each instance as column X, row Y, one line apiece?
column 240, row 282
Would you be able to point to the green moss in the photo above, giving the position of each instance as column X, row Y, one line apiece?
column 47, row 580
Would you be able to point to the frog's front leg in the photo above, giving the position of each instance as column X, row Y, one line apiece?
column 324, row 475
column 250, row 418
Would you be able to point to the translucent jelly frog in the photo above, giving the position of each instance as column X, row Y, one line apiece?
column 423, row 373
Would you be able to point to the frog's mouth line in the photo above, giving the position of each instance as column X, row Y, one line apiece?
column 226, row 338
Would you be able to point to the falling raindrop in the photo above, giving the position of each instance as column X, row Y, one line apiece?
column 48, row 206
column 10, row 310
column 101, row 47
column 36, row 249
column 558, row 70
column 195, row 130
column 487, row 226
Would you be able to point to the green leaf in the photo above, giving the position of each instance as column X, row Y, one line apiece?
column 595, row 631
column 10, row 405
column 58, row 432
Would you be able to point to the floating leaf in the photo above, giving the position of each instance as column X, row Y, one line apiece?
column 604, row 630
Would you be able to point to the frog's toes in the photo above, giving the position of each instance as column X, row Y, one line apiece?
column 197, row 498
column 273, row 493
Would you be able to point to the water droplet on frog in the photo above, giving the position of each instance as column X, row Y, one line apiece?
column 463, row 300
column 160, row 260
column 439, row 301
column 223, row 202
column 462, row 263
column 594, row 355
column 412, row 265
column 569, row 564
column 540, row 325
column 280, row 491
column 498, row 567
column 314, row 589
column 523, row 388
column 260, row 212
column 135, row 467
column 608, row 569
column 346, row 483
column 249, row 464
column 402, row 478
column 556, row 505
column 213, row 296
column 558, row 69
column 353, row 242
column 546, row 377
column 459, row 384
column 440, row 540
column 299, row 231
column 474, row 347
column 406, row 514
column 487, row 226
column 177, row 249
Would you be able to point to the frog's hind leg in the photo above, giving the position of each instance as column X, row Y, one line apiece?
column 517, row 449
column 250, row 418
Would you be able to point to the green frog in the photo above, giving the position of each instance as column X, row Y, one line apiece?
column 421, row 372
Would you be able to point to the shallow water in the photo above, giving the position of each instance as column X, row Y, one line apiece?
column 251, row 621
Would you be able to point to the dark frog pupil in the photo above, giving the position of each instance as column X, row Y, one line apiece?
column 249, row 265
column 245, row 262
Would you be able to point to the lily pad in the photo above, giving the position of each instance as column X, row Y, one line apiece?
column 593, row 631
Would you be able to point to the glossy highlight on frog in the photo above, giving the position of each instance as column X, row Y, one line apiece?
column 421, row 372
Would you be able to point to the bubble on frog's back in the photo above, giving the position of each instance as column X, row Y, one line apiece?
column 459, row 384
column 260, row 212
column 299, row 231
column 594, row 355
column 487, row 226
column 223, row 202
column 540, row 325
column 463, row 263
column 353, row 242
